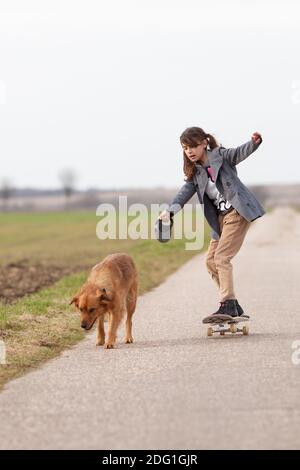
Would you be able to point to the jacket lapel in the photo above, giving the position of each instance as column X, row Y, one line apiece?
column 201, row 179
column 215, row 161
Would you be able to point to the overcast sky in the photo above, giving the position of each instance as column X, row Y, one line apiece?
column 107, row 87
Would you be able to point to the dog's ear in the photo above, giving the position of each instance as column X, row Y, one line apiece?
column 75, row 301
column 103, row 295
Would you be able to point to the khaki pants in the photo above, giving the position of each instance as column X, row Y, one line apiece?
column 220, row 252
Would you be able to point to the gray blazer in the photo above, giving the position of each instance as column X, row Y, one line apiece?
column 223, row 162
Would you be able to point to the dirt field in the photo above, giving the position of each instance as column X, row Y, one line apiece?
column 20, row 278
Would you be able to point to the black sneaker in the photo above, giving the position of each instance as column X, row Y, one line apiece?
column 239, row 308
column 228, row 307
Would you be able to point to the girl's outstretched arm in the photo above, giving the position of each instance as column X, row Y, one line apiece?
column 182, row 197
column 234, row 156
column 184, row 194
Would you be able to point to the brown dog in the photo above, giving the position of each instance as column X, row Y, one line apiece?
column 110, row 288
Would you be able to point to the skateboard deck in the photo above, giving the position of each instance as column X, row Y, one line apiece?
column 225, row 323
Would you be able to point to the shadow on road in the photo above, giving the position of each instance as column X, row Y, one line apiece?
column 199, row 340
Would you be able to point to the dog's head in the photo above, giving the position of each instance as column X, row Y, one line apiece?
column 92, row 302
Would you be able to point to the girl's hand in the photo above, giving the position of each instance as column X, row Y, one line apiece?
column 164, row 216
column 256, row 137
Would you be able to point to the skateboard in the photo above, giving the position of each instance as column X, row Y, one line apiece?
column 226, row 323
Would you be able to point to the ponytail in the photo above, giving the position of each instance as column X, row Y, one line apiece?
column 212, row 143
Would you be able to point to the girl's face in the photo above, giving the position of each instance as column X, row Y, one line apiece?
column 195, row 153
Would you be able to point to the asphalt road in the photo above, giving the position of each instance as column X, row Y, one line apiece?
column 174, row 388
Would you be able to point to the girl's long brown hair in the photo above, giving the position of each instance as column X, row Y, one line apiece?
column 192, row 136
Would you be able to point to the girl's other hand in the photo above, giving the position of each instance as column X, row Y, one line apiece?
column 164, row 216
column 256, row 137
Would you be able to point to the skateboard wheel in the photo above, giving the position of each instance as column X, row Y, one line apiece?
column 209, row 331
column 222, row 333
column 233, row 328
column 245, row 330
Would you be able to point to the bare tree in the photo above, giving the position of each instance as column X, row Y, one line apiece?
column 6, row 191
column 68, row 179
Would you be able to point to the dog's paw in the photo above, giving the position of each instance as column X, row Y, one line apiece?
column 108, row 346
column 129, row 340
column 100, row 342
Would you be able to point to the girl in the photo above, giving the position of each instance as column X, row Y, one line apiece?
column 229, row 206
